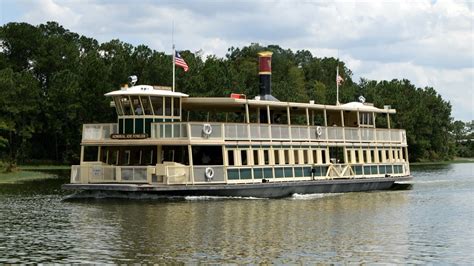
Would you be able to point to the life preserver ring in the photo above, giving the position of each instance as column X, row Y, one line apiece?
column 319, row 131
column 209, row 173
column 207, row 129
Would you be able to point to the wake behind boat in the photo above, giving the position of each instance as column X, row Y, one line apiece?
column 166, row 143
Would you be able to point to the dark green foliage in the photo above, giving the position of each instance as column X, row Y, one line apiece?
column 52, row 81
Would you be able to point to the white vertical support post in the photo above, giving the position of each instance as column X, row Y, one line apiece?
column 289, row 123
column 191, row 171
column 247, row 117
column 82, row 153
column 388, row 121
column 308, row 133
column 268, row 115
column 343, row 126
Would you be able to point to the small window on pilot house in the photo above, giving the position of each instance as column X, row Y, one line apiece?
column 176, row 108
column 167, row 106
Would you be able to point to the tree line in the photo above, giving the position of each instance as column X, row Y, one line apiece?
column 53, row 80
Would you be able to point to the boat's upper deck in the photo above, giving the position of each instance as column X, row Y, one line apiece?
column 229, row 104
column 151, row 115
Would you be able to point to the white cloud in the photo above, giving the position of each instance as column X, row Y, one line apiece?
column 455, row 85
column 52, row 11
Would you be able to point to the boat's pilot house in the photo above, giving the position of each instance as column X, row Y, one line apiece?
column 139, row 106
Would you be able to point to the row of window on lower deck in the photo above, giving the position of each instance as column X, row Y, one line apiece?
column 279, row 156
column 375, row 155
column 212, row 155
column 269, row 172
column 147, row 105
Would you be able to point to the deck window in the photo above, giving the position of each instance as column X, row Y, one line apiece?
column 179, row 154
column 266, row 157
column 125, row 157
column 276, row 156
column 243, row 157
column 323, row 156
column 118, row 105
column 207, row 155
column 371, row 156
column 366, row 119
column 157, row 104
column 136, row 105
column 168, row 106
column 305, row 156
column 364, row 156
column 255, row 157
column 296, row 157
column 146, row 105
column 176, row 107
column 113, row 157
column 103, row 154
column 126, row 105
column 230, row 157
column 315, row 156
column 91, row 153
column 286, row 156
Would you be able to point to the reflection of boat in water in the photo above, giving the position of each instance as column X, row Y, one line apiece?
column 167, row 143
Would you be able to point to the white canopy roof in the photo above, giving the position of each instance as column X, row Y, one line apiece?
column 145, row 90
column 360, row 106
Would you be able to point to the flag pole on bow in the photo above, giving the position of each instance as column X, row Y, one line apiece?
column 173, row 57
column 337, row 84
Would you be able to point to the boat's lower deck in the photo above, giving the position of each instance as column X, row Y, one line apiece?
column 261, row 190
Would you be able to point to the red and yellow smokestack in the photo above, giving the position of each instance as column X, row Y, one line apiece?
column 265, row 75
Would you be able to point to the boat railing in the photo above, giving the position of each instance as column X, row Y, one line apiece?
column 199, row 174
column 264, row 132
column 257, row 132
column 100, row 173
column 95, row 132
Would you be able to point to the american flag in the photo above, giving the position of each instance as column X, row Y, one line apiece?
column 339, row 80
column 179, row 61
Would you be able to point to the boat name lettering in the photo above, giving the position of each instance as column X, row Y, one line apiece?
column 129, row 136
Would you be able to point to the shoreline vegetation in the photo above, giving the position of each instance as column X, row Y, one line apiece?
column 455, row 160
column 36, row 172
column 24, row 173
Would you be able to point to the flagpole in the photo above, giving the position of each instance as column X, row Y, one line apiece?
column 173, row 57
column 174, row 68
column 337, row 84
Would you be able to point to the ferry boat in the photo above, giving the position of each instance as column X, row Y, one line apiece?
column 166, row 143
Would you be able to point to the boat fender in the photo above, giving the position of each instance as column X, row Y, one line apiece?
column 209, row 172
column 207, row 129
column 319, row 131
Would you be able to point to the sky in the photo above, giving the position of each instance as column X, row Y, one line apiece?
column 429, row 42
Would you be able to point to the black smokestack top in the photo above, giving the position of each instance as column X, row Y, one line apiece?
column 265, row 76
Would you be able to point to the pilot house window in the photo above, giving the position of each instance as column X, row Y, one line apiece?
column 176, row 107
column 365, row 119
column 157, row 103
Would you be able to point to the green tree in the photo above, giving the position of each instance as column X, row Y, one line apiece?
column 18, row 118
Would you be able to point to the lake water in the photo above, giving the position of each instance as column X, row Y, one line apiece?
column 432, row 223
